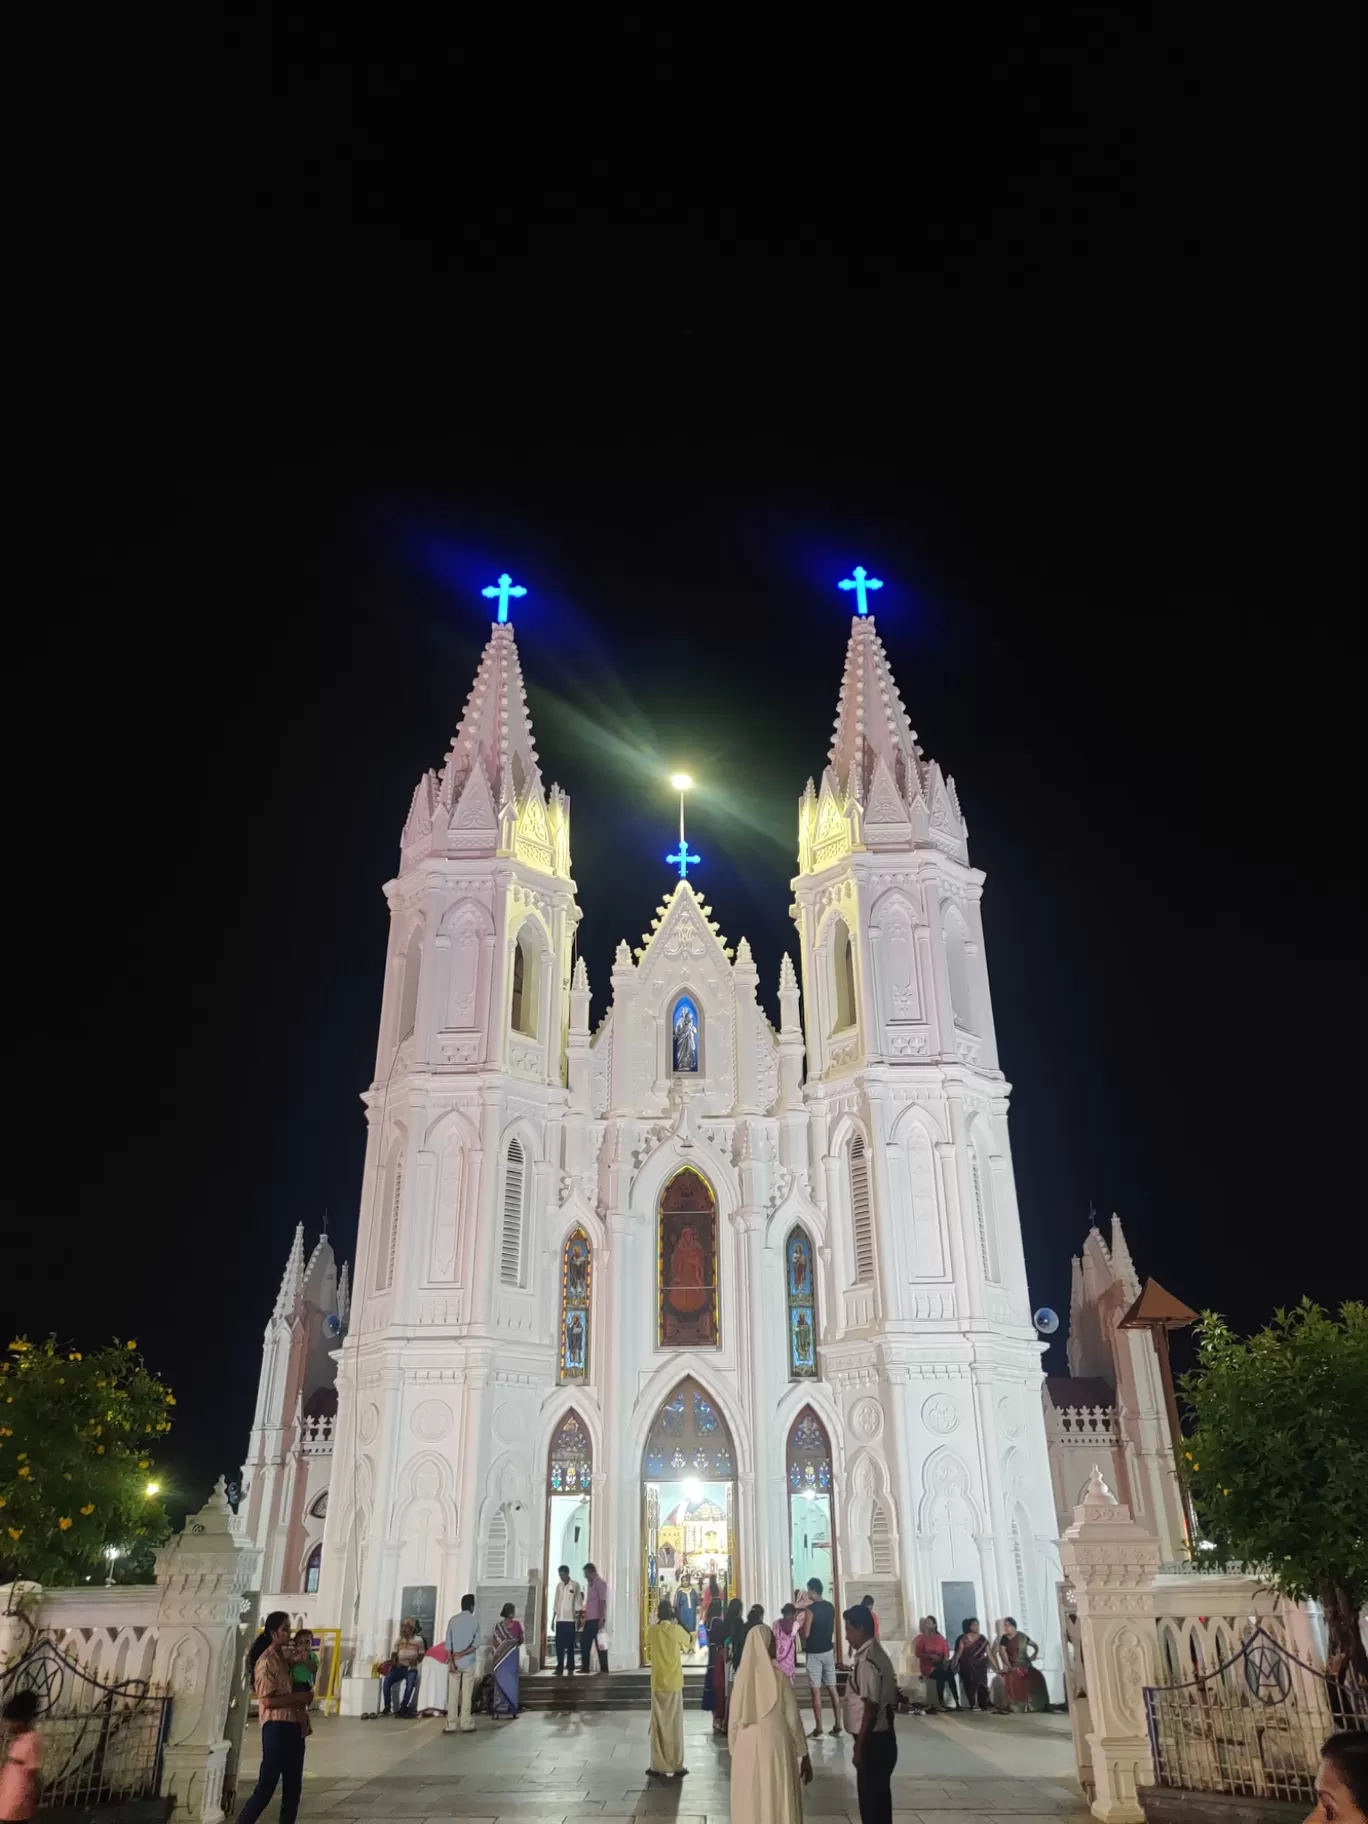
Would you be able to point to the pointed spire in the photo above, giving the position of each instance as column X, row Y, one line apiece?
column 344, row 1292
column 293, row 1277
column 495, row 730
column 788, row 980
column 579, row 982
column 1122, row 1264
column 871, row 722
column 744, row 958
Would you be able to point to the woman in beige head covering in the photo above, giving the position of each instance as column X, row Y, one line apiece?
column 765, row 1734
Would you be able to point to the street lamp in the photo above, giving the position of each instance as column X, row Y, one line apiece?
column 153, row 1488
column 113, row 1553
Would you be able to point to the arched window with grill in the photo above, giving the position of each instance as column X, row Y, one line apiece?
column 512, row 1241
column 801, row 1291
column 522, row 1013
column 569, row 1505
column 861, row 1211
column 577, row 1271
column 812, row 1541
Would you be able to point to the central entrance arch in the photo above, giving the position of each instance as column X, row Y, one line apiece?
column 688, row 1505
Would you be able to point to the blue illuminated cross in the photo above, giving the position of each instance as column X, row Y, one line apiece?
column 683, row 860
column 860, row 582
column 506, row 587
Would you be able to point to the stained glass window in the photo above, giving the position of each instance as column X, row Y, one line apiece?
column 689, row 1437
column 572, row 1458
column 801, row 1290
column 577, row 1274
column 685, row 1036
column 687, row 1263
column 809, row 1454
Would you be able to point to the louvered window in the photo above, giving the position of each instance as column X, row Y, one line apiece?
column 496, row 1548
column 881, row 1542
column 983, row 1216
column 861, row 1215
column 511, row 1237
column 389, row 1238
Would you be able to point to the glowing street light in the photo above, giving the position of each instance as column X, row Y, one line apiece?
column 153, row 1488
column 113, row 1553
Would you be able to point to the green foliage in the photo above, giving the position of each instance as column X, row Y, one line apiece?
column 77, row 1433
column 1278, row 1459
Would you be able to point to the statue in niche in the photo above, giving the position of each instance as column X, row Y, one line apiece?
column 685, row 1037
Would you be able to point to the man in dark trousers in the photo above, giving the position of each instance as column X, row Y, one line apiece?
column 871, row 1700
column 566, row 1598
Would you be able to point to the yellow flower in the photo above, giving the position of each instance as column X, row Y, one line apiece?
column 1196, row 1466
column 18, row 1345
column 75, row 1356
column 89, row 1508
column 99, row 1450
column 144, row 1463
column 4, row 1500
column 25, row 1474
column 170, row 1399
column 131, row 1343
column 1188, row 1455
column 64, row 1523
column 15, row 1532
column 23, row 1456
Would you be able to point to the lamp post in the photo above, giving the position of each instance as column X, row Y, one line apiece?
column 113, row 1553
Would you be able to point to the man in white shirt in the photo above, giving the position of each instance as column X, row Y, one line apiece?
column 461, row 1635
column 566, row 1598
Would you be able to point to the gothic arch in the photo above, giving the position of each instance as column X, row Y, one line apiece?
column 871, row 1531
column 706, row 1160
column 390, row 1190
column 558, row 1408
column 463, row 945
column 408, row 991
column 983, row 1199
column 427, row 1477
column 913, row 1143
column 688, row 1262
column 946, row 1476
column 802, row 1306
column 671, row 1374
column 672, row 999
column 958, row 944
column 503, row 1519
column 893, row 921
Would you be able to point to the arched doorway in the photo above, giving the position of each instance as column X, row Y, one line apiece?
column 688, row 1501
column 812, row 1517
column 569, row 1479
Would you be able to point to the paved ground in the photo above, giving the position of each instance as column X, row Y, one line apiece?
column 545, row 1767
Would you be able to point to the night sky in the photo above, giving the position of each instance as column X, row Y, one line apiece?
column 1051, row 326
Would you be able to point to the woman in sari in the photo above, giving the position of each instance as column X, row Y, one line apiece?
column 974, row 1663
column 507, row 1644
column 722, row 1629
column 1023, row 1688
column 765, row 1734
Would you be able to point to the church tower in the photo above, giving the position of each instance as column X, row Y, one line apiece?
column 446, row 1340
column 930, row 1345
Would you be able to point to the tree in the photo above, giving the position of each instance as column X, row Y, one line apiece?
column 77, row 1433
column 1278, row 1460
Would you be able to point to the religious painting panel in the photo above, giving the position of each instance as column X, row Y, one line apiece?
column 685, row 1029
column 577, row 1270
column 802, row 1306
column 687, row 1263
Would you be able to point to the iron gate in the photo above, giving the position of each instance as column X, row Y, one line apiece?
column 1253, row 1725
column 102, row 1743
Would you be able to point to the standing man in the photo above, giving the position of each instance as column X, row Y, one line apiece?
column 595, row 1617
column 872, row 1696
column 666, row 1645
column 818, row 1629
column 461, row 1635
column 565, row 1604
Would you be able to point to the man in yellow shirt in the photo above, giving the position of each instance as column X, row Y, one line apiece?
column 666, row 1645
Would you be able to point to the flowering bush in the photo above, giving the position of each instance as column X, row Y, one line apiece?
column 77, row 1436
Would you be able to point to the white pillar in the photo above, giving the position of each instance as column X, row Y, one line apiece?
column 203, row 1575
column 1112, row 1563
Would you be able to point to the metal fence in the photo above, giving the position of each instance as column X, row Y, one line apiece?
column 102, row 1743
column 1253, row 1725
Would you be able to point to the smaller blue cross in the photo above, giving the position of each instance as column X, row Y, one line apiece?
column 506, row 587
column 683, row 860
column 860, row 582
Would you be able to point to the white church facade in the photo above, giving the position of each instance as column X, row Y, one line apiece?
column 676, row 1290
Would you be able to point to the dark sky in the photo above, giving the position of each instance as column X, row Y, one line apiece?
column 1053, row 324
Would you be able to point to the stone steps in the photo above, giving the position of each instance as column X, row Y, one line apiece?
column 627, row 1690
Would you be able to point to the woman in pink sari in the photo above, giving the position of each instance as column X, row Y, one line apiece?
column 786, row 1641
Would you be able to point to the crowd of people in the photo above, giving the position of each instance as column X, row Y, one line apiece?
column 751, row 1688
